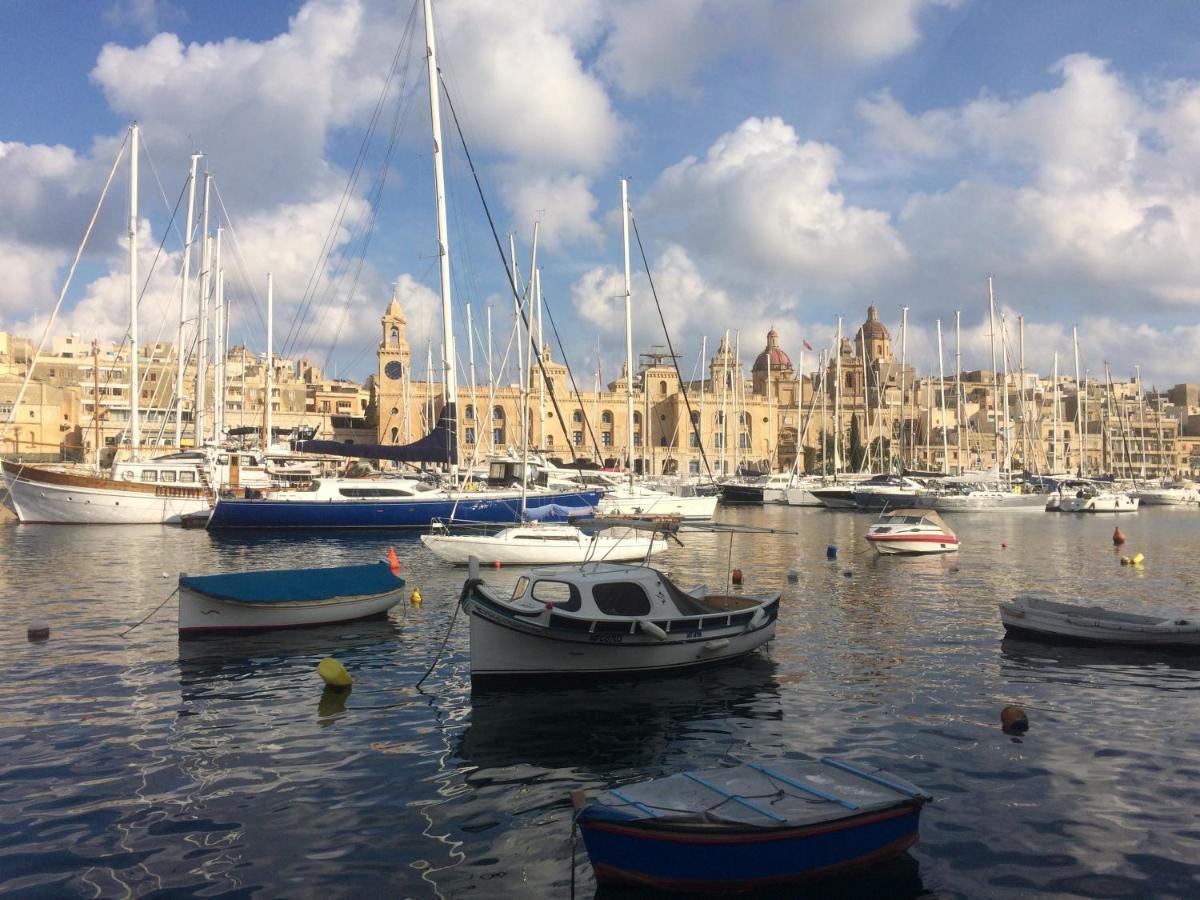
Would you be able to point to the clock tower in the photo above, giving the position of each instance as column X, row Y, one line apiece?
column 394, row 357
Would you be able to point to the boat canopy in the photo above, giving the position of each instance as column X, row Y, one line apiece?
column 288, row 585
column 928, row 515
column 439, row 446
column 558, row 511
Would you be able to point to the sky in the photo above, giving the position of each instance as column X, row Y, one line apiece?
column 790, row 162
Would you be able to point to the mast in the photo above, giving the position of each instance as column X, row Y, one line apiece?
column 541, row 346
column 1024, row 413
column 202, row 325
column 958, row 397
column 1080, row 407
column 449, row 376
column 724, row 351
column 1054, row 436
column 270, row 372
column 474, row 400
column 995, row 384
column 903, row 375
column 1007, row 457
column 181, row 361
column 703, row 381
column 942, row 389
column 738, row 413
column 628, row 322
column 526, row 334
column 218, row 416
column 491, row 385
column 837, row 399
column 1141, row 421
column 520, row 340
column 770, row 423
column 135, row 384
column 862, row 343
column 824, row 420
column 96, row 399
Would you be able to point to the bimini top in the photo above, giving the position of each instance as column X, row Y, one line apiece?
column 914, row 517
column 290, row 585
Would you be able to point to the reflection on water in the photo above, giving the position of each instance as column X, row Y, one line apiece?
column 218, row 765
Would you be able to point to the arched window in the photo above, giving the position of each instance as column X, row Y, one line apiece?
column 469, row 413
column 606, row 417
column 498, row 413
column 395, row 435
column 718, row 418
column 637, row 418
column 662, row 388
column 394, row 335
column 577, row 416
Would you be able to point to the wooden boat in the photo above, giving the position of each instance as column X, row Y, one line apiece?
column 1029, row 614
column 608, row 619
column 286, row 598
column 911, row 531
column 751, row 826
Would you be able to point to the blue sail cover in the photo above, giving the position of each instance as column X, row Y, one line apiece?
column 439, row 446
column 291, row 585
column 558, row 511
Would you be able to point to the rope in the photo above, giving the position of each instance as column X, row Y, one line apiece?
column 453, row 618
column 152, row 612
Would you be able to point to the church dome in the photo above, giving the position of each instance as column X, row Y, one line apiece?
column 773, row 352
column 873, row 329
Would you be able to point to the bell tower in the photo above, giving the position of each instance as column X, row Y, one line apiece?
column 394, row 358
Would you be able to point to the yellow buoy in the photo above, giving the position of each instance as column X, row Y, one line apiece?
column 333, row 673
column 1138, row 559
column 416, row 597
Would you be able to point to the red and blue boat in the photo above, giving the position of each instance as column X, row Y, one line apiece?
column 751, row 826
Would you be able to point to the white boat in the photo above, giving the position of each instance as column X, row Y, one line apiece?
column 286, row 598
column 984, row 498
column 801, row 492
column 539, row 544
column 1168, row 495
column 1088, row 497
column 911, row 531
column 1043, row 617
column 608, row 619
column 636, row 500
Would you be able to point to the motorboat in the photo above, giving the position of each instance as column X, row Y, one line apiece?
column 1168, row 495
column 631, row 500
column 604, row 618
column 751, row 826
column 982, row 497
column 1043, row 617
column 286, row 598
column 911, row 531
column 536, row 543
column 891, row 492
column 1089, row 497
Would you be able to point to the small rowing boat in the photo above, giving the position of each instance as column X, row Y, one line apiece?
column 286, row 598
column 1041, row 617
column 751, row 826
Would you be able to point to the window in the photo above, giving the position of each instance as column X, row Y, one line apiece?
column 373, row 492
column 519, row 588
column 469, row 415
column 695, row 417
column 637, row 418
column 577, row 416
column 394, row 335
column 637, row 439
column 662, row 388
column 606, row 417
column 744, row 441
column 606, row 438
column 621, row 598
column 187, row 477
column 563, row 595
column 149, row 475
column 719, row 418
column 168, row 476
column 498, row 413
column 497, row 436
column 693, row 441
column 469, row 435
column 719, row 440
column 577, row 438
column 395, row 435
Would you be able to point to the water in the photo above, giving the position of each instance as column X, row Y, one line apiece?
column 136, row 765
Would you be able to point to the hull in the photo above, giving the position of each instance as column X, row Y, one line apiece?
column 37, row 495
column 875, row 501
column 1114, row 503
column 799, row 496
column 912, row 544
column 665, row 505
column 1084, row 626
column 1167, row 497
column 458, row 549
column 835, row 497
column 679, row 860
column 742, row 493
column 408, row 513
column 202, row 614
column 503, row 646
column 991, row 503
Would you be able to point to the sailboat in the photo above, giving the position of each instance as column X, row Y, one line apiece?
column 154, row 491
column 396, row 503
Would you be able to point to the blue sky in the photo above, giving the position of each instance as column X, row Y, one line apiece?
column 790, row 162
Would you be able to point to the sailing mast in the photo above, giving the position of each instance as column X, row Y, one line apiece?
column 628, row 324
column 449, row 376
column 269, row 375
column 703, row 365
column 474, row 399
column 1024, row 413
column 903, row 373
column 1080, row 407
column 181, row 360
column 218, row 416
column 958, row 396
column 1054, row 438
column 1007, row 457
column 202, row 324
column 942, row 389
column 135, row 385
column 1141, row 421
column 837, row 398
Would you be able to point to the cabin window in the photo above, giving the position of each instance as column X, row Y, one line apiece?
column 187, row 477
column 621, row 598
column 519, row 588
column 168, row 476
column 564, row 596
column 373, row 492
column 149, row 475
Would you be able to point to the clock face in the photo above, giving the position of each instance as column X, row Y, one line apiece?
column 393, row 370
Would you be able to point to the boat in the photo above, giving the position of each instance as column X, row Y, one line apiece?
column 1089, row 497
column 534, row 543
column 743, row 491
column 286, row 598
column 985, row 497
column 1039, row 616
column 801, row 493
column 750, row 826
column 603, row 618
column 890, row 492
column 1168, row 495
column 910, row 531
column 835, row 496
column 633, row 500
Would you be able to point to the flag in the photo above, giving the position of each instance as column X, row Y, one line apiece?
column 393, row 563
column 807, row 345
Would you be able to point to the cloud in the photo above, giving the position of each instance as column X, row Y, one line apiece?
column 563, row 204
column 764, row 203
column 640, row 61
column 30, row 274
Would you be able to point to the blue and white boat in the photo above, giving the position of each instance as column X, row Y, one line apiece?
column 751, row 826
column 286, row 598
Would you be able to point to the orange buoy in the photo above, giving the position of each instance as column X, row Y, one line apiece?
column 1013, row 720
column 1118, row 537
column 495, row 563
column 736, row 576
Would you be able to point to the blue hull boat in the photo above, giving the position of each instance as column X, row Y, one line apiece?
column 414, row 512
column 751, row 826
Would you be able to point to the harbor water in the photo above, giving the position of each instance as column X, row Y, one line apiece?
column 139, row 765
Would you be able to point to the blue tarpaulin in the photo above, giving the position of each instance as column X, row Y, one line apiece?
column 290, row 585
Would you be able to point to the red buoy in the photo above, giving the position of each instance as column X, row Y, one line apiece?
column 736, row 576
column 1118, row 537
